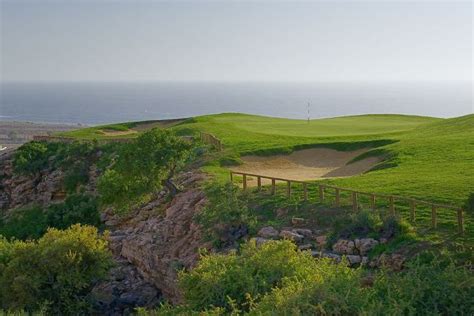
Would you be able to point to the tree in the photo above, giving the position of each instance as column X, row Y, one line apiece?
column 143, row 167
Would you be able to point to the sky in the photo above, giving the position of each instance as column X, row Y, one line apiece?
column 106, row 40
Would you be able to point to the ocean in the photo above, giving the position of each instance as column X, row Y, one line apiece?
column 108, row 102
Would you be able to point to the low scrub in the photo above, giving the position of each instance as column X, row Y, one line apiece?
column 33, row 221
column 278, row 279
column 55, row 273
column 226, row 216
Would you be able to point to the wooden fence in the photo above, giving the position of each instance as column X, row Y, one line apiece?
column 373, row 197
column 211, row 140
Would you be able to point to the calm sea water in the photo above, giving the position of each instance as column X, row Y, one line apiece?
column 96, row 103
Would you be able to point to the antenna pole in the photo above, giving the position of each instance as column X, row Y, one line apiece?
column 308, row 112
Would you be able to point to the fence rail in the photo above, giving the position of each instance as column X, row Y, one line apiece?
column 354, row 197
column 211, row 140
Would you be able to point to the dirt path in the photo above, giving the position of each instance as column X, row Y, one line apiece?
column 308, row 164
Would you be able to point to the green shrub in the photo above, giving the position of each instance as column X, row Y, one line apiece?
column 469, row 205
column 76, row 209
column 57, row 271
column 232, row 281
column 25, row 223
column 30, row 158
column 225, row 212
column 32, row 222
column 142, row 168
column 75, row 176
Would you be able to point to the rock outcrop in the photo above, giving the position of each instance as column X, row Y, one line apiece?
column 161, row 238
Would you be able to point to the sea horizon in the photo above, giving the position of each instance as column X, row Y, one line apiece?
column 102, row 102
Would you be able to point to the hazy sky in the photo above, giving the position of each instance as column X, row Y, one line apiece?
column 255, row 41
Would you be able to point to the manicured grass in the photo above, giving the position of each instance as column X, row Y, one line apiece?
column 265, row 135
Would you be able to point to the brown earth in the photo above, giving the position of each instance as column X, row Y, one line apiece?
column 307, row 164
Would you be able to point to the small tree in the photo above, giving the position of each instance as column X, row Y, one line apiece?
column 143, row 167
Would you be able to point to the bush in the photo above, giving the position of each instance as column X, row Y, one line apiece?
column 277, row 279
column 142, row 168
column 226, row 211
column 25, row 223
column 57, row 271
column 32, row 222
column 233, row 281
column 469, row 205
column 76, row 209
column 78, row 174
column 30, row 158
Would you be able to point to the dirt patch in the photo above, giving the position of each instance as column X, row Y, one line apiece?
column 109, row 132
column 308, row 164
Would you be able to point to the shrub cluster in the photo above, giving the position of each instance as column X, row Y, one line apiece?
column 226, row 212
column 32, row 222
column 142, row 167
column 55, row 273
column 277, row 279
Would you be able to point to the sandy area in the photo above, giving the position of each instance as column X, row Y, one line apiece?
column 307, row 164
column 13, row 134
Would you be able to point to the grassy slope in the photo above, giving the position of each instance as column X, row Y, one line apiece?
column 257, row 134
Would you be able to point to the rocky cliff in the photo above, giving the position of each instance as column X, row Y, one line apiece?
column 150, row 245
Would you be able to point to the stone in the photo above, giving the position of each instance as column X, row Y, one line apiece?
column 321, row 240
column 268, row 232
column 344, row 247
column 298, row 221
column 337, row 258
column 364, row 261
column 353, row 260
column 260, row 241
column 394, row 261
column 365, row 245
column 305, row 247
column 303, row 231
column 286, row 234
column 281, row 212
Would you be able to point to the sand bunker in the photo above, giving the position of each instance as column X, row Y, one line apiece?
column 308, row 164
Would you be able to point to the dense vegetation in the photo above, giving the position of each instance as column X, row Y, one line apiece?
column 143, row 167
column 276, row 278
column 55, row 273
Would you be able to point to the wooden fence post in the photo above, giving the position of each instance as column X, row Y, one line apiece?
column 434, row 222
column 305, row 191
column 288, row 188
column 273, row 186
column 244, row 184
column 321, row 193
column 231, row 177
column 412, row 211
column 460, row 222
column 391, row 205
column 372, row 202
column 354, row 201
column 259, row 183
column 338, row 197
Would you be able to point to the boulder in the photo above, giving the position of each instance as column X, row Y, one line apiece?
column 286, row 234
column 334, row 256
column 268, row 232
column 303, row 231
column 364, row 245
column 321, row 240
column 304, row 247
column 298, row 221
column 260, row 241
column 344, row 247
column 353, row 260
